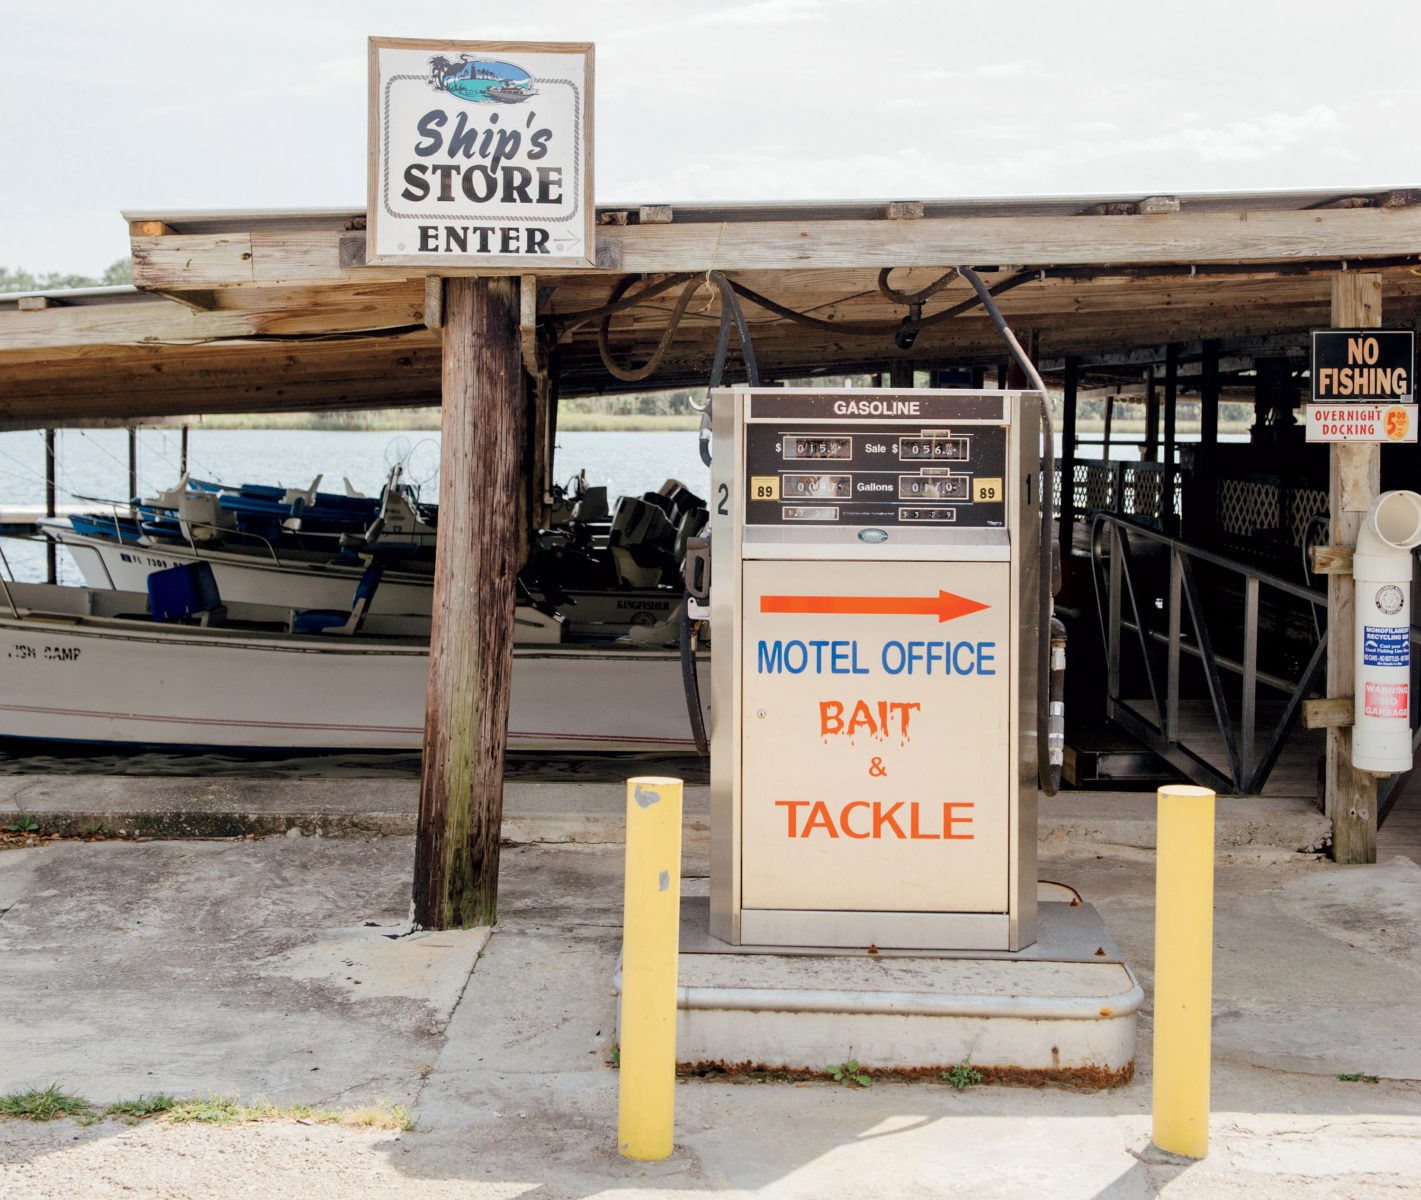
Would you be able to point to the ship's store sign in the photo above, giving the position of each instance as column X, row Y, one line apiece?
column 480, row 154
column 1363, row 365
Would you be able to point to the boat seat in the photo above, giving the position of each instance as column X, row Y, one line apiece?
column 642, row 541
column 679, row 499
column 326, row 620
column 186, row 593
column 202, row 519
column 692, row 522
column 591, row 506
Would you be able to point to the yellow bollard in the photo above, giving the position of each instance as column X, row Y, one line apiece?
column 651, row 926
column 1184, row 965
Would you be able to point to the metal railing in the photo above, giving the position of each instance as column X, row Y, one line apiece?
column 1125, row 608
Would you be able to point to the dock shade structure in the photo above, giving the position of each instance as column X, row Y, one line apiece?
column 1166, row 299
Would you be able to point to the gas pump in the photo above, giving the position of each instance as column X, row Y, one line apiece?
column 876, row 667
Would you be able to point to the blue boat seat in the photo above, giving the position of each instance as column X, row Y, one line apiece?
column 326, row 620
column 186, row 593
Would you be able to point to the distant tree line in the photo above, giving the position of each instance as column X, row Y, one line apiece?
column 17, row 279
column 643, row 404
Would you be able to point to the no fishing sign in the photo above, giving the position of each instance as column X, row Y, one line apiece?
column 480, row 154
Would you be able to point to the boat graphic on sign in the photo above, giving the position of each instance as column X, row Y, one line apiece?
column 484, row 81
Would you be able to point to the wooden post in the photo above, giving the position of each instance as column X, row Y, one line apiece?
column 1209, row 402
column 1354, row 479
column 900, row 373
column 1031, row 343
column 51, row 563
column 471, row 643
column 1150, row 452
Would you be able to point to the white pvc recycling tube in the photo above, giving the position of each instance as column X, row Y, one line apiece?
column 1381, row 571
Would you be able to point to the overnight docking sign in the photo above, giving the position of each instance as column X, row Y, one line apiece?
column 1363, row 386
column 480, row 154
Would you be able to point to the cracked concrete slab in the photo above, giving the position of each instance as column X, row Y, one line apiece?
column 257, row 967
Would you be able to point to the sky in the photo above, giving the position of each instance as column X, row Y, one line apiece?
column 108, row 106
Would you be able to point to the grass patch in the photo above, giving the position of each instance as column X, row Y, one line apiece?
column 1359, row 1077
column 52, row 1103
column 850, row 1074
column 229, row 1110
column 964, row 1075
column 145, row 1106
column 43, row 1104
column 379, row 1116
column 23, row 824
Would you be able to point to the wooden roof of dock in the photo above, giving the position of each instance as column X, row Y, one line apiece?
column 254, row 311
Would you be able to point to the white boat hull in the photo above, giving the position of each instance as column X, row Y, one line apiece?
column 94, row 679
column 242, row 578
column 250, row 578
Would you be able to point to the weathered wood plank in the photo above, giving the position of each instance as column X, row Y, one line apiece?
column 150, row 229
column 264, row 311
column 1336, row 712
column 433, row 302
column 471, row 646
column 1187, row 237
column 191, row 260
column 1332, row 560
column 1354, row 479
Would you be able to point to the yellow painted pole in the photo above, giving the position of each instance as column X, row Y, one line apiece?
column 1184, row 967
column 651, row 927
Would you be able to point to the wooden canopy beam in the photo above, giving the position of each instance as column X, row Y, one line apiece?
column 316, row 256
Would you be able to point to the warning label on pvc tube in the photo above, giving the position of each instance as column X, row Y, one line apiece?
column 1386, row 646
column 1385, row 700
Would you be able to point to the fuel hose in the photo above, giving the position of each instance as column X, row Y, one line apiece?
column 1048, row 774
column 698, row 588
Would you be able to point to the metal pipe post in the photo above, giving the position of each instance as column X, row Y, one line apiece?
column 1184, row 957
column 1067, row 469
column 651, row 926
column 51, row 561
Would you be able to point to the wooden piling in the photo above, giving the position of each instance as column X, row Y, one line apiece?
column 1354, row 479
column 471, row 643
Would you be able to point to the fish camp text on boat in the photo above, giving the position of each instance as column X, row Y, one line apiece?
column 480, row 153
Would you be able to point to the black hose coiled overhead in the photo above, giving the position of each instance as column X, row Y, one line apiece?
column 730, row 312
column 1045, row 775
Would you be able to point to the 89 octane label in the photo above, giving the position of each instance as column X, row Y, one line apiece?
column 764, row 487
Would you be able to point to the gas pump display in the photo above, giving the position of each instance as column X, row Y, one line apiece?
column 875, row 607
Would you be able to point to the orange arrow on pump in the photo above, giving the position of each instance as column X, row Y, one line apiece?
column 945, row 606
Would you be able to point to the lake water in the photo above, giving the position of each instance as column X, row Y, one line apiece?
column 94, row 463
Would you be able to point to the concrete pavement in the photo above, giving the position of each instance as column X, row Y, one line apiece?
column 263, row 967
